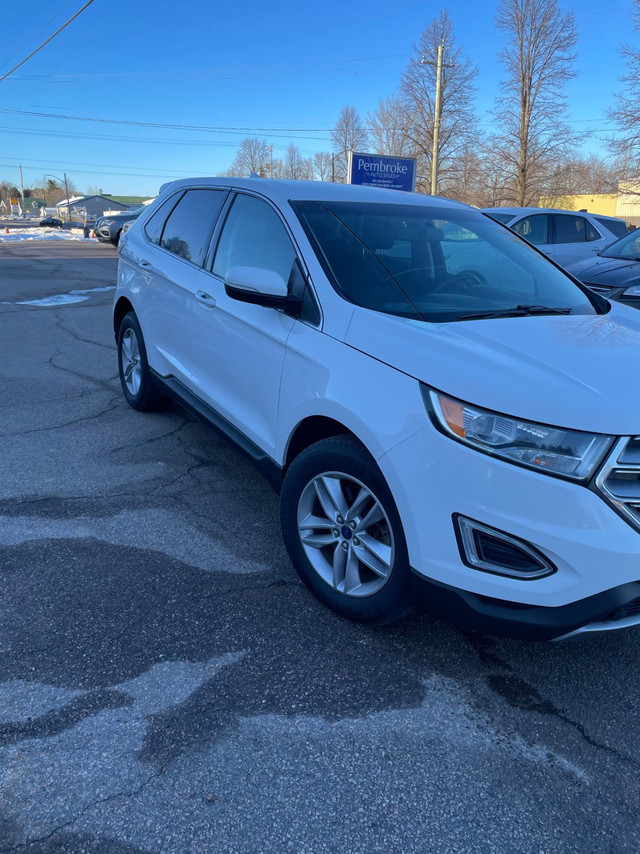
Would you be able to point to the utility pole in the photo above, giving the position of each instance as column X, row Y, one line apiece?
column 436, row 123
column 67, row 191
column 21, row 188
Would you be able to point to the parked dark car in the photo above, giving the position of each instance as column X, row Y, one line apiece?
column 51, row 222
column 107, row 228
column 615, row 272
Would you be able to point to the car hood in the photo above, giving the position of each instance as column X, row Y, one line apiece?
column 574, row 371
column 611, row 272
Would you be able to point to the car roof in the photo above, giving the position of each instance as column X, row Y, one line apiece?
column 526, row 210
column 282, row 191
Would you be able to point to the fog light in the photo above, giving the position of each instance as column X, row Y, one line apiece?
column 490, row 550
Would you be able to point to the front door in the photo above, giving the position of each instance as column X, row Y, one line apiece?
column 239, row 347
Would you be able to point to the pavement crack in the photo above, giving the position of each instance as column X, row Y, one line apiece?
column 77, row 337
column 115, row 404
column 24, row 846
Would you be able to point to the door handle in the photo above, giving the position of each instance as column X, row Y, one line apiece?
column 144, row 263
column 205, row 299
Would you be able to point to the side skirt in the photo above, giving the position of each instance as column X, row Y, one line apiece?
column 173, row 388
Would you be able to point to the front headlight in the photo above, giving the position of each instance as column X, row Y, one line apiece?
column 633, row 291
column 568, row 453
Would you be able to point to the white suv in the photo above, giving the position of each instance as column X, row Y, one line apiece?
column 395, row 363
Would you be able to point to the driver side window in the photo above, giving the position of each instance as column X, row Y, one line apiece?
column 254, row 236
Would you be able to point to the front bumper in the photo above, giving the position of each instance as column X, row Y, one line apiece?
column 595, row 551
column 103, row 233
column 613, row 609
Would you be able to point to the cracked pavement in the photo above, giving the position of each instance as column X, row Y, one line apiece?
column 167, row 684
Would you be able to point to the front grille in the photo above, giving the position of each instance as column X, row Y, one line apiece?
column 619, row 479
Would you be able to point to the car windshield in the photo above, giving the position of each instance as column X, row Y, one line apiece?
column 627, row 247
column 435, row 264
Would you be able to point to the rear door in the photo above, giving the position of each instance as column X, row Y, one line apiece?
column 573, row 237
column 176, row 252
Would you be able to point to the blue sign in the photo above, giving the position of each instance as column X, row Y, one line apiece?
column 378, row 170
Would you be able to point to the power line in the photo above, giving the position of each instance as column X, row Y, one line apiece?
column 167, row 125
column 59, row 30
column 95, row 165
column 37, row 33
column 164, row 175
column 139, row 139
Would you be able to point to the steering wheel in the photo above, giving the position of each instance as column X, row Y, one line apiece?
column 464, row 277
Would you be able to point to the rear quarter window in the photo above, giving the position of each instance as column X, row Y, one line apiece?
column 615, row 226
column 154, row 225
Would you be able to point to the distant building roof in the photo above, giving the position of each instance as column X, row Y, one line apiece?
column 129, row 200
column 34, row 202
column 72, row 200
column 76, row 200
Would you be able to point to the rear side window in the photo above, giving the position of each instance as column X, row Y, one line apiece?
column 188, row 229
column 615, row 226
column 533, row 228
column 254, row 236
column 573, row 229
column 155, row 224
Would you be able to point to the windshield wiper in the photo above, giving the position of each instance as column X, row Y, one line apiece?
column 518, row 311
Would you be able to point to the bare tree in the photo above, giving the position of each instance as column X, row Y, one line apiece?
column 458, row 126
column 322, row 166
column 627, row 110
column 253, row 155
column 539, row 60
column 295, row 165
column 349, row 134
column 389, row 128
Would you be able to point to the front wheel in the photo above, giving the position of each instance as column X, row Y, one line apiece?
column 343, row 531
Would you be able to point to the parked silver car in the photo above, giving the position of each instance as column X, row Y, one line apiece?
column 565, row 236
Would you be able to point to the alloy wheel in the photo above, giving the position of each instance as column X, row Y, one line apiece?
column 346, row 534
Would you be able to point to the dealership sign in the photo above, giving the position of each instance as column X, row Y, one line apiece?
column 378, row 170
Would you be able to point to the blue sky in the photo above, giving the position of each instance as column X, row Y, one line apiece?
column 242, row 64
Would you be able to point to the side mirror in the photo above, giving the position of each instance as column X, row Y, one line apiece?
column 260, row 287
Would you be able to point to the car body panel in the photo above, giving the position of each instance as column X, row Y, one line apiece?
column 432, row 477
column 572, row 372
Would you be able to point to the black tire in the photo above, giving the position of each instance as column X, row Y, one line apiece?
column 146, row 398
column 347, row 456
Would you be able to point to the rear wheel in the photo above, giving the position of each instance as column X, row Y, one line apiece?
column 135, row 376
column 343, row 532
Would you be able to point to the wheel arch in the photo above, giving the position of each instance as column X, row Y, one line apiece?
column 310, row 430
column 120, row 311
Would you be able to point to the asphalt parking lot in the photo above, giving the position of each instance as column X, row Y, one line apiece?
column 167, row 684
